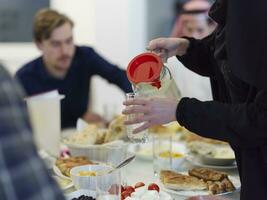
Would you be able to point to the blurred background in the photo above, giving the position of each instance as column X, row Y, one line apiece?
column 117, row 29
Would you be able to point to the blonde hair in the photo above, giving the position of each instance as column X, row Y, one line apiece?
column 45, row 21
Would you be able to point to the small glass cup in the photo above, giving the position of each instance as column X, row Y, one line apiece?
column 108, row 187
column 161, row 145
column 142, row 136
column 167, row 155
column 116, row 154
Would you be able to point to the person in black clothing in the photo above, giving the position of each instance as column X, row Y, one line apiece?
column 66, row 67
column 237, row 67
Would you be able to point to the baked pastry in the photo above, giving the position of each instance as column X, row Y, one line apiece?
column 87, row 136
column 207, row 174
column 66, row 164
column 198, row 179
column 177, row 181
column 217, row 187
column 101, row 134
column 117, row 129
column 191, row 137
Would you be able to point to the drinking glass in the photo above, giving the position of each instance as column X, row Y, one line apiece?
column 161, row 144
column 142, row 136
column 167, row 155
column 108, row 187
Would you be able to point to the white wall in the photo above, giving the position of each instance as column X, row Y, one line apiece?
column 14, row 55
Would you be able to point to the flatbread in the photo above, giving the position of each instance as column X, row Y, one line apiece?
column 207, row 174
column 177, row 181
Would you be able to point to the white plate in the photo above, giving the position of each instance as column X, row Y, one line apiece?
column 196, row 161
column 78, row 193
column 235, row 181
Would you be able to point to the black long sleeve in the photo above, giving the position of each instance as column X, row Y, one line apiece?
column 199, row 57
column 244, row 124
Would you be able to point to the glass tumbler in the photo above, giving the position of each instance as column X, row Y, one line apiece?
column 142, row 136
column 108, row 186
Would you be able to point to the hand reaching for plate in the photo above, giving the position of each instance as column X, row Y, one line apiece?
column 208, row 197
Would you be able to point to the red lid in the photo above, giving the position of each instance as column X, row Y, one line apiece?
column 145, row 67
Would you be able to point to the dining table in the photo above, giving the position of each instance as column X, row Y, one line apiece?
column 141, row 170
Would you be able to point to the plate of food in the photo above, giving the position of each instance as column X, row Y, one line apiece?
column 141, row 191
column 213, row 155
column 199, row 161
column 63, row 166
column 198, row 181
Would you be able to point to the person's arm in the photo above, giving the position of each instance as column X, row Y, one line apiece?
column 108, row 71
column 196, row 55
column 199, row 56
column 243, row 124
column 23, row 174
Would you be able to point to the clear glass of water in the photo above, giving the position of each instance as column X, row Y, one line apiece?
column 142, row 136
column 162, row 146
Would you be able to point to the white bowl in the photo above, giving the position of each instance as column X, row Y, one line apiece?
column 94, row 152
column 87, row 182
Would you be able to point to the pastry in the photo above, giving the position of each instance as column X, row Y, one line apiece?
column 198, row 179
column 177, row 181
column 117, row 129
column 207, row 174
column 66, row 164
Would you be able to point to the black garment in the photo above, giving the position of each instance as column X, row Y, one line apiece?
column 238, row 114
column 246, row 38
column 75, row 86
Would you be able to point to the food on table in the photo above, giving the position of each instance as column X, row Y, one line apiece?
column 141, row 192
column 84, row 197
column 170, row 128
column 217, row 182
column 175, row 126
column 117, row 129
column 87, row 173
column 198, row 179
column 125, row 194
column 177, row 181
column 207, row 174
column 66, row 164
column 213, row 150
column 139, row 184
column 190, row 137
column 168, row 154
column 129, row 188
column 217, row 187
column 92, row 134
column 88, row 135
column 153, row 186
